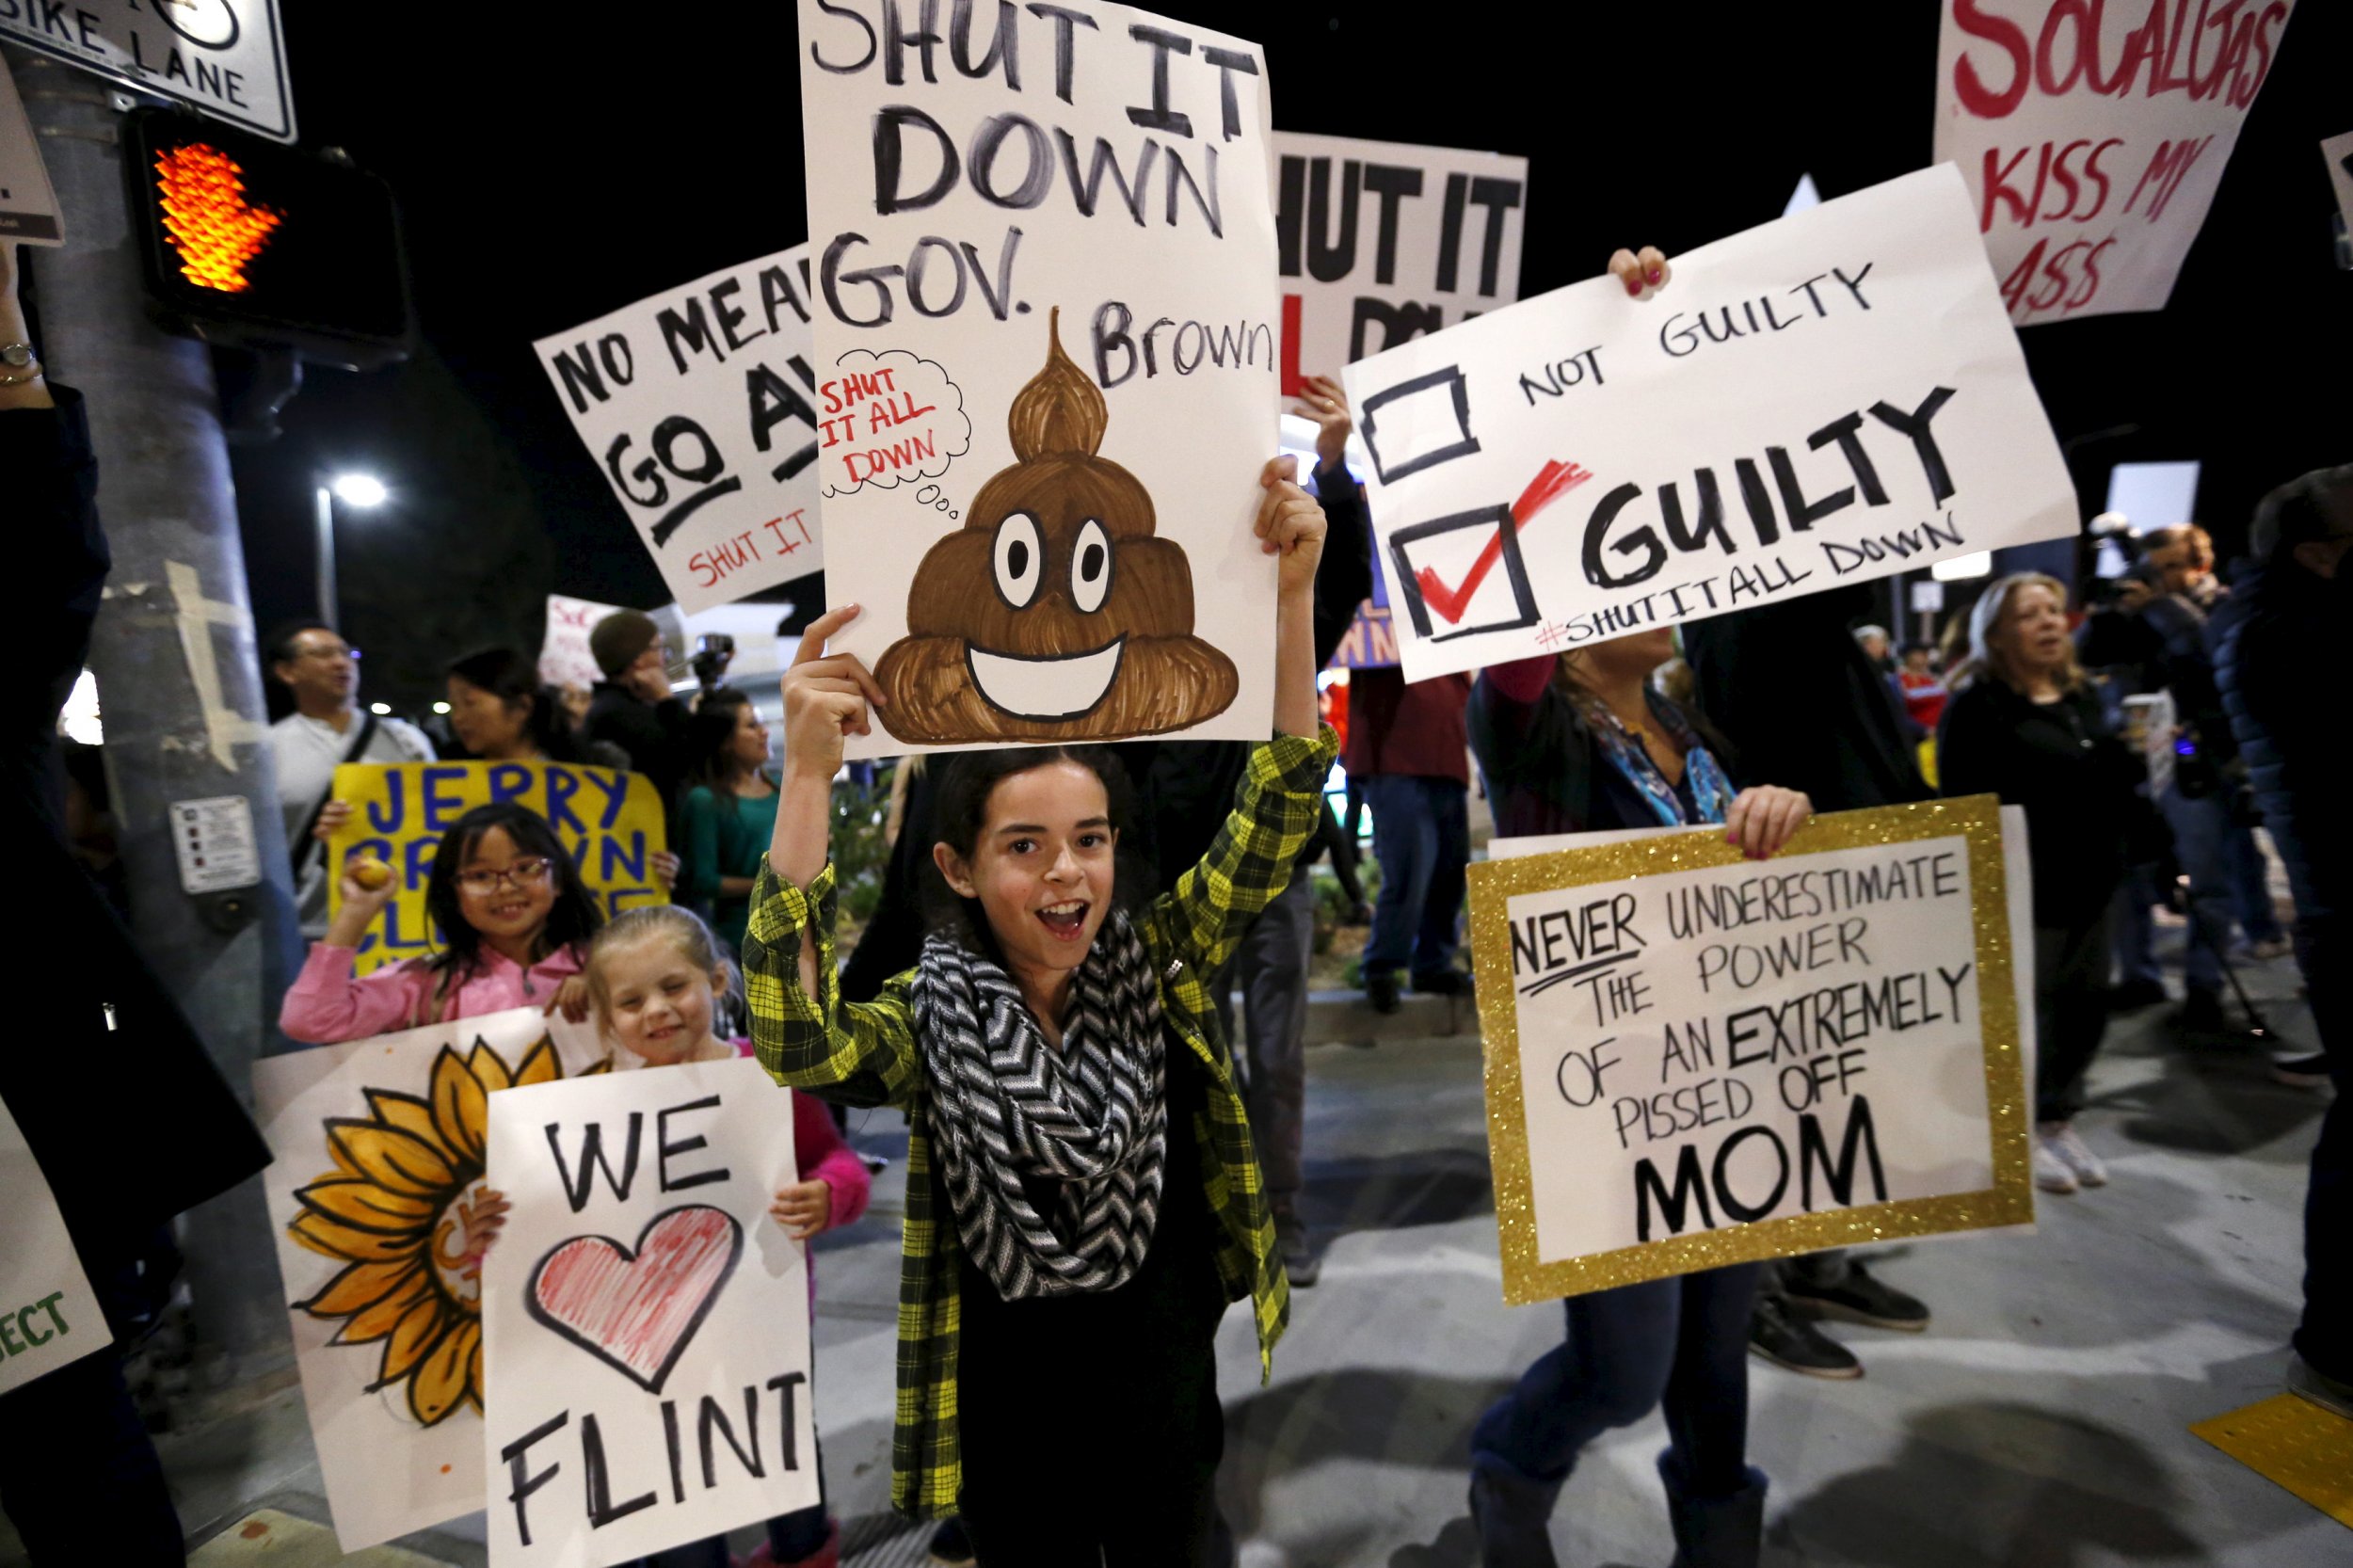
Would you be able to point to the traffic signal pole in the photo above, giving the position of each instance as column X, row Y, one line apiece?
column 178, row 678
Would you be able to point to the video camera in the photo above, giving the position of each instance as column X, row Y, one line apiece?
column 713, row 651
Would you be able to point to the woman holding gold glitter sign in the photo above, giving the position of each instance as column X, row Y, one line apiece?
column 1573, row 744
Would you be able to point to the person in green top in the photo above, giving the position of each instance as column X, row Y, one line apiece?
column 1083, row 1200
column 728, row 812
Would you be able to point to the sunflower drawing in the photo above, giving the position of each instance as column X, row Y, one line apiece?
column 395, row 1210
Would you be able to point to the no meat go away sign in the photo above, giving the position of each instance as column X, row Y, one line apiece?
column 695, row 404
column 1831, row 397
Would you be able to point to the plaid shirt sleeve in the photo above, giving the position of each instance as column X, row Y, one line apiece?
column 1275, row 812
column 851, row 1053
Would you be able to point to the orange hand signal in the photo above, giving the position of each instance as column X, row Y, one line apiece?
column 212, row 226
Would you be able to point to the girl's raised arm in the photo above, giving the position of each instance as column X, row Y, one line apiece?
column 1290, row 524
column 824, row 700
column 853, row 1054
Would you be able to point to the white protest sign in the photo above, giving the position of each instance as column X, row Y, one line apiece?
column 226, row 58
column 379, row 1149
column 697, row 405
column 2017, row 875
column 648, row 1321
column 1833, row 396
column 565, row 659
column 2339, row 151
column 28, row 207
column 2093, row 138
column 1381, row 242
column 1693, row 1059
column 1047, row 345
column 48, row 1316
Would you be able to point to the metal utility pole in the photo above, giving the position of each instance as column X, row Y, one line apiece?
column 329, row 602
column 174, row 660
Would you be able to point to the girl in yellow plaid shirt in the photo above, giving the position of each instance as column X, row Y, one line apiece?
column 1082, row 1199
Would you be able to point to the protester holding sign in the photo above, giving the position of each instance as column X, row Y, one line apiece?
column 1801, row 700
column 95, row 1028
column 321, row 672
column 1571, row 743
column 512, row 915
column 2030, row 729
column 655, row 976
column 1079, row 1353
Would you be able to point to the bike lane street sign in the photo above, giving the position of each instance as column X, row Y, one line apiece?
column 226, row 58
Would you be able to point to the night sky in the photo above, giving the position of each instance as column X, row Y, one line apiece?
column 555, row 162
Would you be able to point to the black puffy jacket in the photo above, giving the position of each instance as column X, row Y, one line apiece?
column 2278, row 654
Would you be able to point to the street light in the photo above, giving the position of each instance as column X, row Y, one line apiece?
column 353, row 490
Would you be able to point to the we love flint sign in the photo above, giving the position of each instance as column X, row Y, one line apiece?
column 645, row 1322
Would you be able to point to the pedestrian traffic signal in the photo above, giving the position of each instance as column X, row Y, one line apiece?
column 259, row 246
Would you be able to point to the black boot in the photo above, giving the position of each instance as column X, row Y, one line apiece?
column 1714, row 1532
column 1512, row 1515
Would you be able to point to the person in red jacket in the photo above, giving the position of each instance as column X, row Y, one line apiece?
column 1407, row 748
column 1923, row 688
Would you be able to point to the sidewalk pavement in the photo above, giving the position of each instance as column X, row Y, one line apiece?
column 2041, row 1423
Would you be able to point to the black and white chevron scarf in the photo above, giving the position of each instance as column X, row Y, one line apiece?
column 1094, row 1115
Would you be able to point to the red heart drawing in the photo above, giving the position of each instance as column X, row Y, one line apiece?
column 636, row 1311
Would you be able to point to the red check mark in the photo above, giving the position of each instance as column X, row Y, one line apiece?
column 1557, row 480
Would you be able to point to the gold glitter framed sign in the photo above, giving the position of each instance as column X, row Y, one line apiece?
column 1694, row 1059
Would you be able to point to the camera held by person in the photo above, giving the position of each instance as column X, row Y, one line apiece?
column 713, row 651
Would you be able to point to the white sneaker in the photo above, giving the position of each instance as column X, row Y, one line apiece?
column 2051, row 1173
column 2076, row 1154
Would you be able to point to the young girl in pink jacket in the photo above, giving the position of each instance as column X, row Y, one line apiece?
column 654, row 977
column 513, row 918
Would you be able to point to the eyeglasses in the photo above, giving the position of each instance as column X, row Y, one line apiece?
column 523, row 873
column 350, row 653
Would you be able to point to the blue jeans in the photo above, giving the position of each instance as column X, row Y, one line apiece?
column 2133, row 932
column 1421, row 835
column 2202, row 834
column 2251, row 884
column 1680, row 1342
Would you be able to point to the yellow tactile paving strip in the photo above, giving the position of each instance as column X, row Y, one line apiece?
column 2292, row 1442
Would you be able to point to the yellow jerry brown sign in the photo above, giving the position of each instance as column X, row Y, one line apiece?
column 611, row 823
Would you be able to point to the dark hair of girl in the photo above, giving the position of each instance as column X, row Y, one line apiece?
column 513, row 678
column 572, row 920
column 711, row 741
column 966, row 785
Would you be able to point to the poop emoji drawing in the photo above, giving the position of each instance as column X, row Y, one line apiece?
column 1054, row 613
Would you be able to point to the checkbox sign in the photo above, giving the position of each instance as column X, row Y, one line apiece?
column 1428, row 590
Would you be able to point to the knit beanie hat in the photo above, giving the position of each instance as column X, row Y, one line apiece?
column 617, row 640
